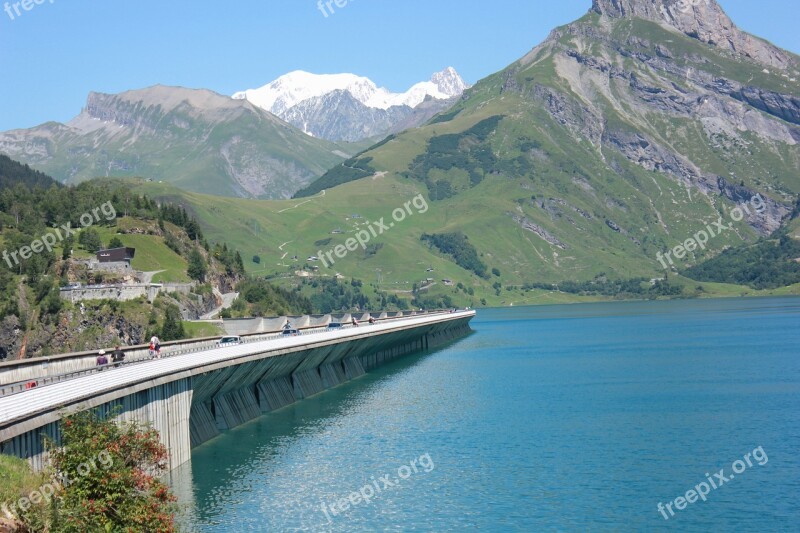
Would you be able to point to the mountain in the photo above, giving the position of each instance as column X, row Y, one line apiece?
column 619, row 138
column 346, row 107
column 13, row 173
column 196, row 139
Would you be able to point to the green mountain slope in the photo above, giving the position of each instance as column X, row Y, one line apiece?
column 596, row 156
column 196, row 139
column 13, row 173
column 617, row 136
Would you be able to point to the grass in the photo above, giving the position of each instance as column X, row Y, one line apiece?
column 196, row 330
column 17, row 479
column 151, row 255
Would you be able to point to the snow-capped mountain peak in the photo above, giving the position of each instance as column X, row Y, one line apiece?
column 295, row 87
column 346, row 107
column 290, row 89
column 449, row 82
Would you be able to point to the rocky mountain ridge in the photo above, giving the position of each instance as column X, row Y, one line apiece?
column 195, row 138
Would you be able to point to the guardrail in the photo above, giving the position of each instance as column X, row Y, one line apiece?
column 22, row 386
column 140, row 354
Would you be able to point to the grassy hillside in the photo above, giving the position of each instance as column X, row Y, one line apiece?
column 276, row 231
column 152, row 253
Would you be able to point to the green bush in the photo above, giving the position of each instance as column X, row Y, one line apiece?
column 113, row 471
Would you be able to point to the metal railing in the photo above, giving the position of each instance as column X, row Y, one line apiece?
column 23, row 386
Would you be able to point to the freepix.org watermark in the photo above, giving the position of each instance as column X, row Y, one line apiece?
column 49, row 240
column 701, row 238
column 376, row 487
column 46, row 492
column 374, row 229
column 703, row 489
column 16, row 9
column 326, row 6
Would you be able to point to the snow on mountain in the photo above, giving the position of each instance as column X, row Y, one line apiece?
column 281, row 95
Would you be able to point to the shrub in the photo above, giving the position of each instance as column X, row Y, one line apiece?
column 113, row 474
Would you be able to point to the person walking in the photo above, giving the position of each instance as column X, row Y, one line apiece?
column 118, row 357
column 102, row 360
column 156, row 344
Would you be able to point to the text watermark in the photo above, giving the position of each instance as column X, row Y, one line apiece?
column 326, row 6
column 46, row 492
column 701, row 238
column 364, row 236
column 376, row 487
column 49, row 240
column 15, row 10
column 702, row 489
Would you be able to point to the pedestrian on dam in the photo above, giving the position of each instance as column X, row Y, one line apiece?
column 155, row 347
column 102, row 360
column 118, row 357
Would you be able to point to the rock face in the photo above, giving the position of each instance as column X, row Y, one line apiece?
column 339, row 116
column 236, row 148
column 766, row 104
column 704, row 20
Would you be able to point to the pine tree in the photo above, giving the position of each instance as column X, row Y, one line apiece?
column 197, row 266
column 239, row 262
column 172, row 330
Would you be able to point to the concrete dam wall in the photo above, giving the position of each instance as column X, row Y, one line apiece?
column 192, row 398
column 15, row 375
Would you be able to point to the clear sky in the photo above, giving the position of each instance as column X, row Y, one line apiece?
column 54, row 54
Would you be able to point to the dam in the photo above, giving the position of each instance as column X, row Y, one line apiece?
column 194, row 395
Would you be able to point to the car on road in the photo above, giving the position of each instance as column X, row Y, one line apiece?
column 231, row 340
column 290, row 332
column 335, row 325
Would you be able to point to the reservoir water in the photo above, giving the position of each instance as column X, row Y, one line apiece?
column 556, row 418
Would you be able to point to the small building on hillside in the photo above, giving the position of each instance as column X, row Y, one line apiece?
column 116, row 255
column 113, row 260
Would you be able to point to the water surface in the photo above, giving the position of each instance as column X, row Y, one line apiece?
column 581, row 417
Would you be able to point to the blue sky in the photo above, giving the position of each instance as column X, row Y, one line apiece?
column 54, row 54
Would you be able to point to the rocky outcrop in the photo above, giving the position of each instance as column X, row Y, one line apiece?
column 339, row 116
column 648, row 154
column 11, row 337
column 703, row 20
column 580, row 120
column 529, row 225
column 783, row 106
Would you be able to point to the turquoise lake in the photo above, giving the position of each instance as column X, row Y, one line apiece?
column 556, row 418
